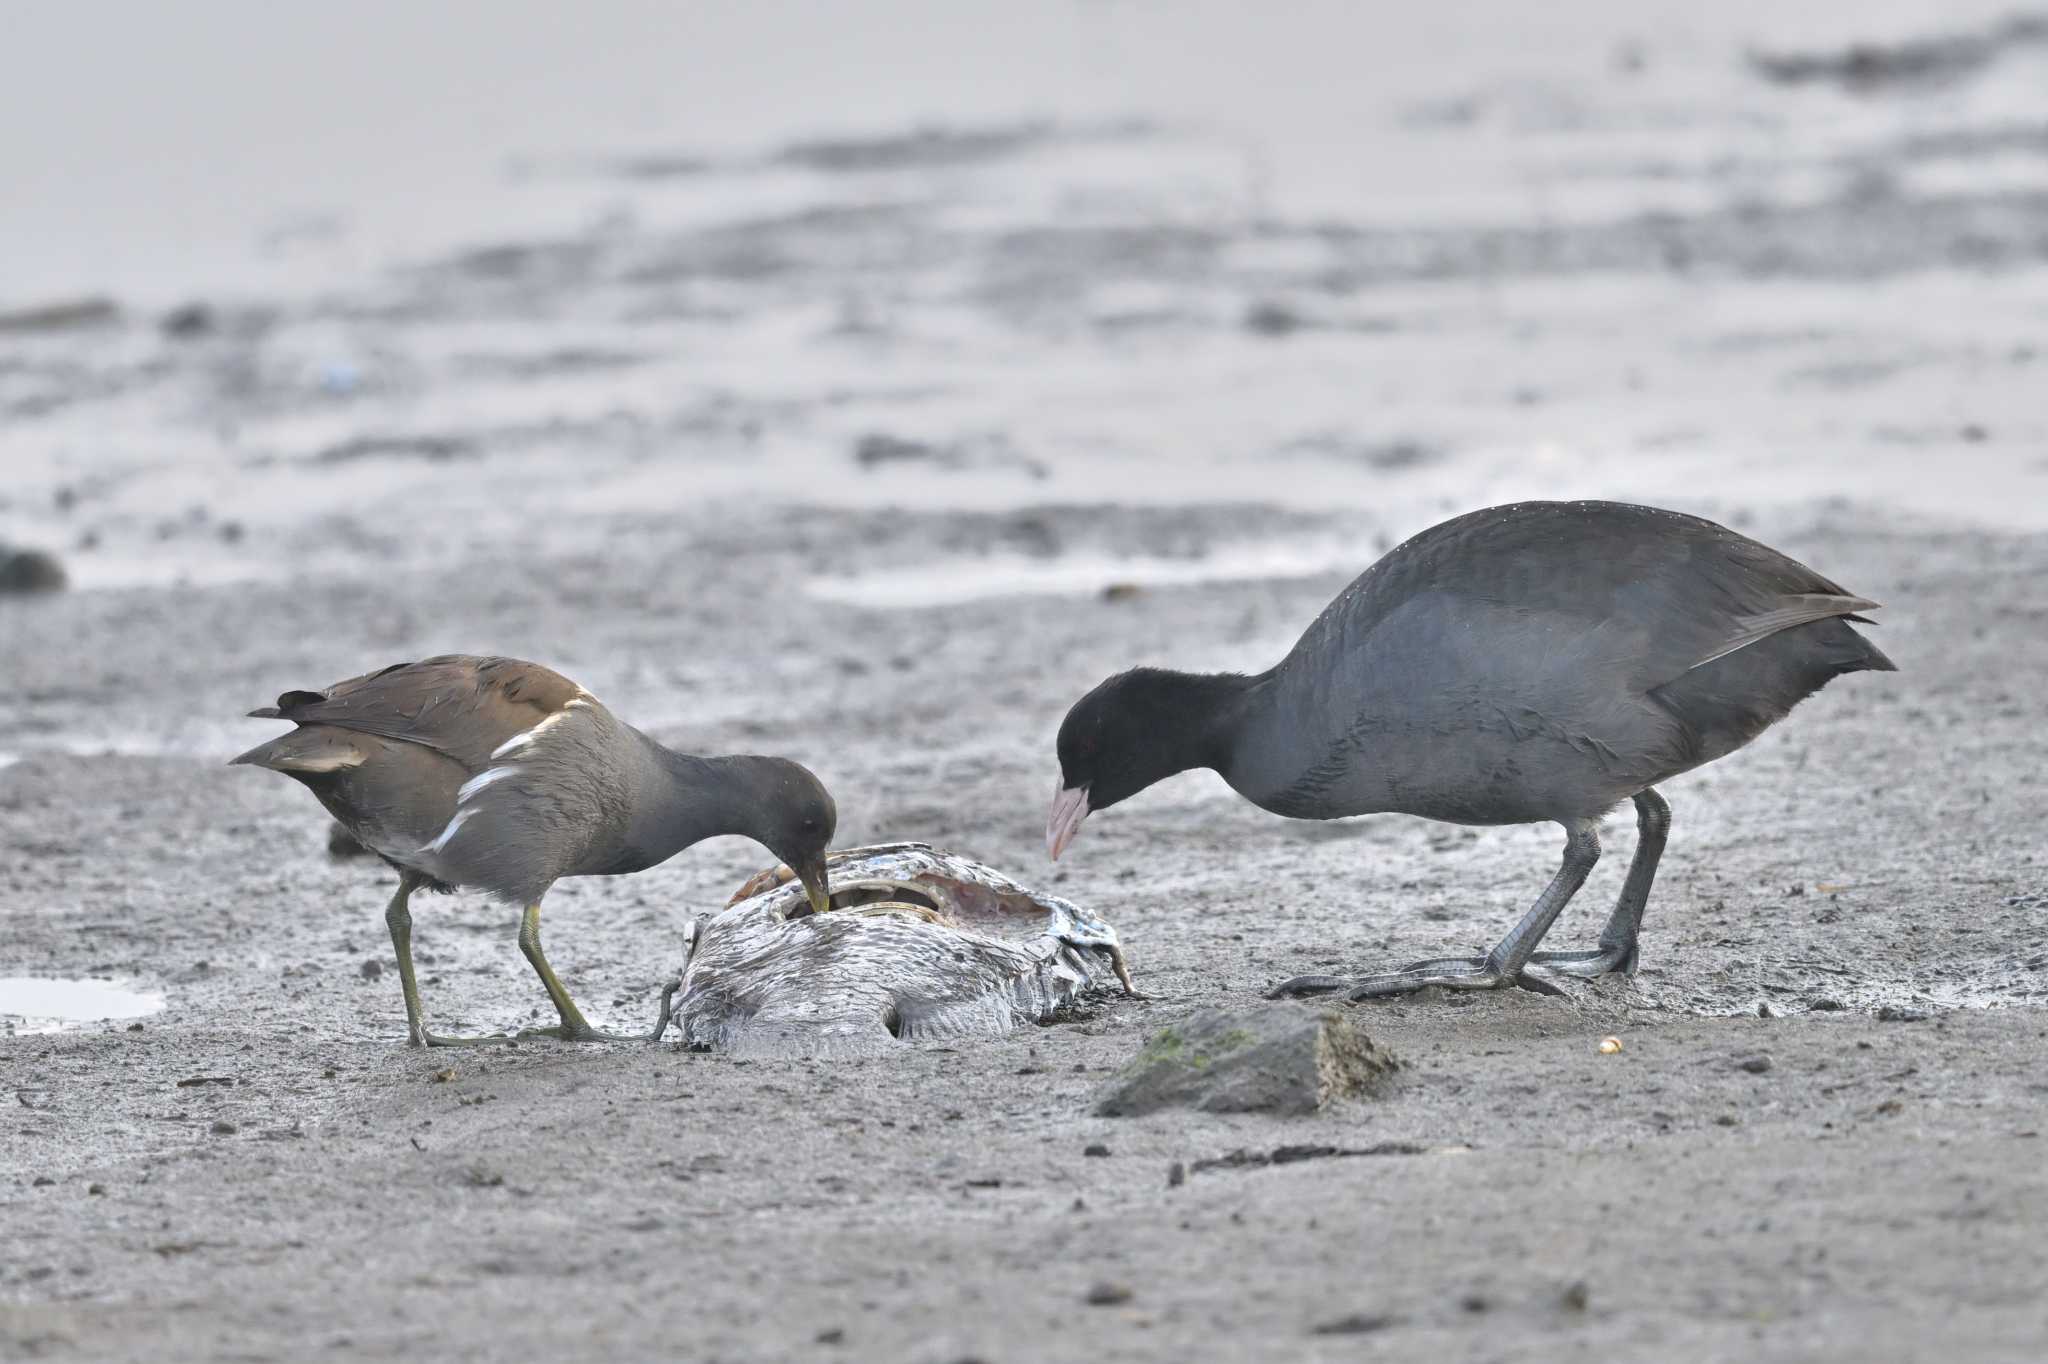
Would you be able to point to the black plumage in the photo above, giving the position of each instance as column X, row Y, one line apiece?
column 1542, row 661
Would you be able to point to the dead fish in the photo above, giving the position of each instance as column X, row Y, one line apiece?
column 919, row 945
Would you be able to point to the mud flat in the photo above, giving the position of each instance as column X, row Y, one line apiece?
column 987, row 403
column 261, row 1169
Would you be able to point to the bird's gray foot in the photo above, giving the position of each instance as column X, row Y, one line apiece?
column 1598, row 961
column 1451, row 973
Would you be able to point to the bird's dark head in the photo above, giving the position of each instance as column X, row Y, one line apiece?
column 794, row 818
column 1135, row 729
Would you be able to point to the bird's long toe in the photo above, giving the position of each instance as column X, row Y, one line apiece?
column 1588, row 962
column 1450, row 973
column 1308, row 987
column 573, row 1027
column 424, row 1038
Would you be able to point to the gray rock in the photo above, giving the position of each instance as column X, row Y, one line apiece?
column 29, row 570
column 1275, row 1058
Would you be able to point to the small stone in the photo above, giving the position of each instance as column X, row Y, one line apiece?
column 1122, row 592
column 1107, row 1294
column 1577, row 1296
column 223, row 1128
column 188, row 320
column 831, row 1335
column 371, row 969
column 1176, row 1175
column 29, row 570
column 1610, row 1046
column 1892, row 1013
column 1095, row 1148
column 1274, row 1058
column 1757, row 1064
column 1726, row 1120
column 1474, row 1303
column 442, row 1077
column 1357, row 1324
column 1268, row 318
column 1764, row 1010
column 1823, row 1004
column 43, row 1181
column 96, row 1190
column 134, row 1027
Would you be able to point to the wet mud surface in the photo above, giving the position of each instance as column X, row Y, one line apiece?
column 181, row 1190
column 876, row 447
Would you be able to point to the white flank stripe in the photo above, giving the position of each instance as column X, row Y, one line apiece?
column 449, row 832
column 527, row 736
column 481, row 780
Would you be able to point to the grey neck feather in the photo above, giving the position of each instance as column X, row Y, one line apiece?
column 682, row 799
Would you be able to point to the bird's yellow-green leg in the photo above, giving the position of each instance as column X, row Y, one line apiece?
column 398, row 918
column 573, row 1027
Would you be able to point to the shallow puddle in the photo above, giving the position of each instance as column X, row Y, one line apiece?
column 41, row 1004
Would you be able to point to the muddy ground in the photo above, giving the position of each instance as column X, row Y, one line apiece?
column 262, row 1170
column 810, row 411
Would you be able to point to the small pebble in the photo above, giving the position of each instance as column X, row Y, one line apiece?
column 442, row 1077
column 1357, row 1324
column 1609, row 1045
column 1095, row 1148
column 1578, row 1295
column 1757, row 1064
column 1892, row 1013
column 372, row 969
column 832, row 1335
column 1106, row 1294
column 96, row 1190
column 223, row 1128
column 1176, row 1175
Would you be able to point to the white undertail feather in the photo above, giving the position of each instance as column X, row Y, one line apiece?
column 334, row 760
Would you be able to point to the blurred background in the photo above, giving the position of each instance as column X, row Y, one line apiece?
column 291, row 291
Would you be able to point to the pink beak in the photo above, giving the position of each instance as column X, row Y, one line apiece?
column 1069, row 808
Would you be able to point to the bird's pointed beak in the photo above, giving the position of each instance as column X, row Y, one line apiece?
column 1069, row 808
column 816, row 884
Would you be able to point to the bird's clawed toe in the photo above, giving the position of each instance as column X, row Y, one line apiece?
column 1308, row 987
column 1450, row 973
